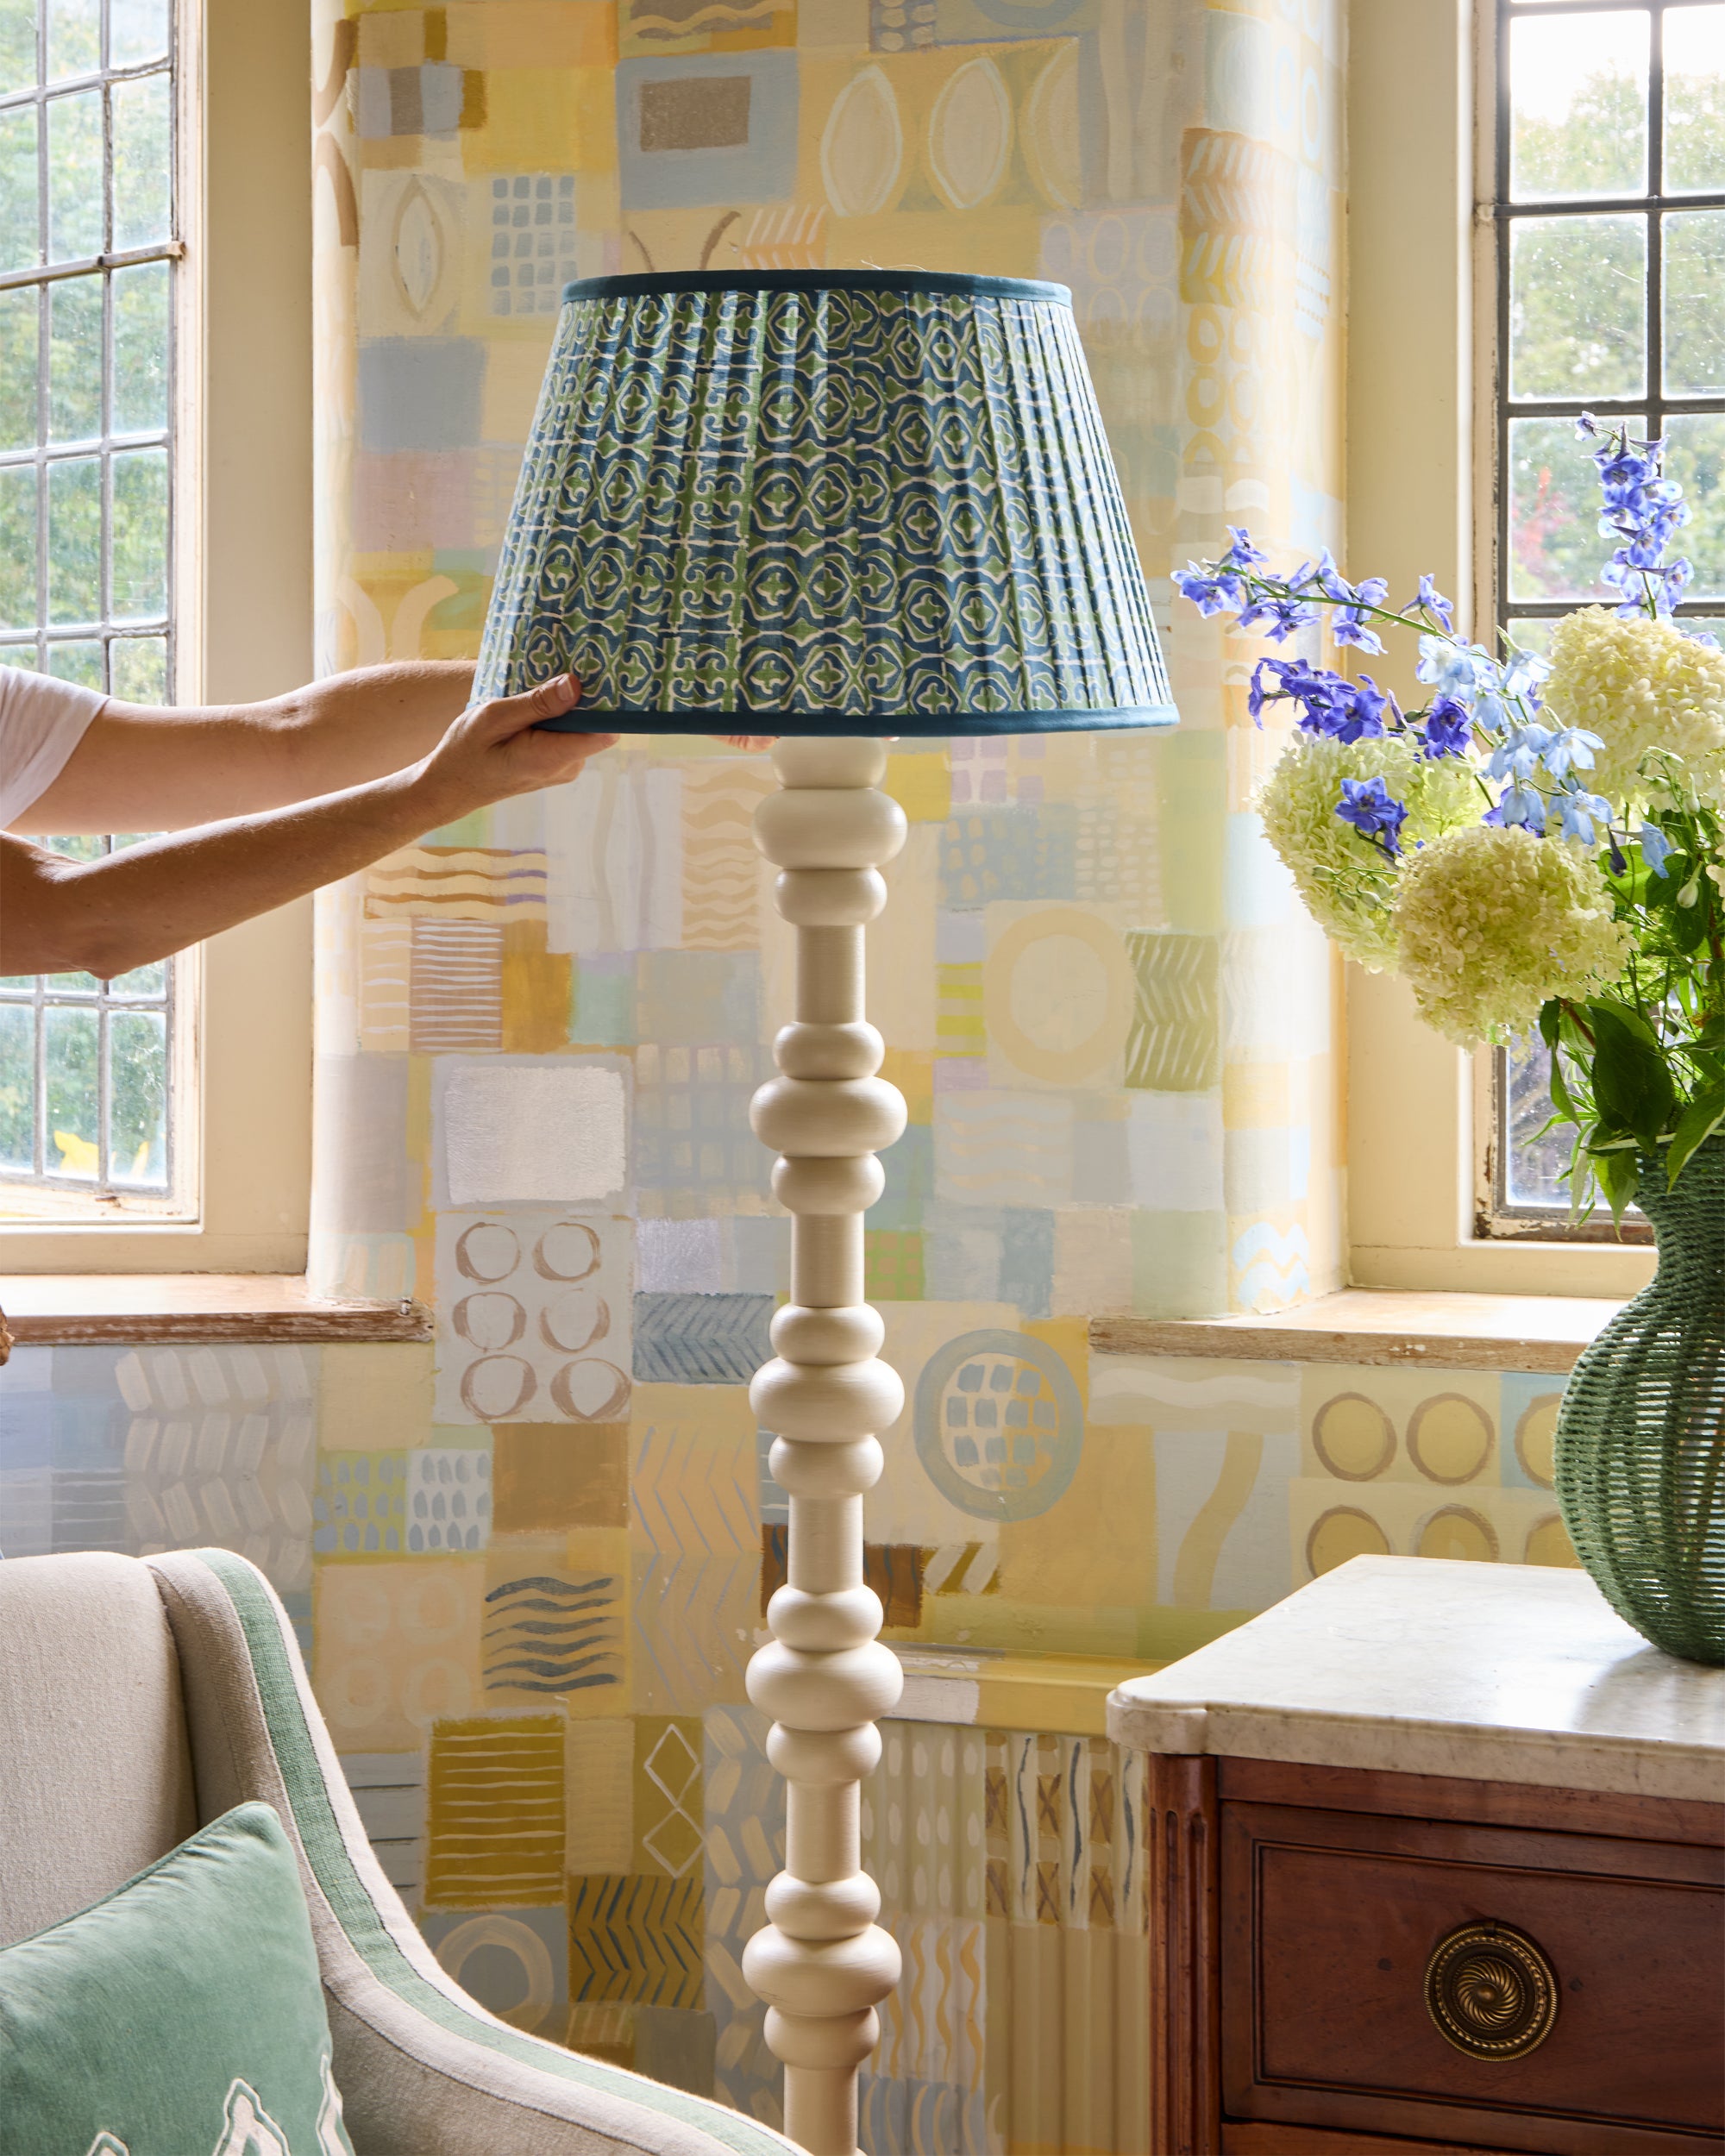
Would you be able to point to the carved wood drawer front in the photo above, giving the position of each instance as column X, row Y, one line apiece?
column 1579, row 1978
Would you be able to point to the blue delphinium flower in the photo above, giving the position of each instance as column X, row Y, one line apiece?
column 1430, row 600
column 1241, row 553
column 1519, row 804
column 1374, row 811
column 1348, row 625
column 1506, row 691
column 1656, row 848
column 1570, row 749
column 1332, row 706
column 1283, row 616
column 1644, row 511
column 1449, row 727
column 1461, row 671
column 1322, row 575
column 1211, row 590
column 1578, row 811
column 1520, row 753
column 1313, row 686
column 1365, row 717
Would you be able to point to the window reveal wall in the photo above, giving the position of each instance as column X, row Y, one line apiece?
column 539, row 1030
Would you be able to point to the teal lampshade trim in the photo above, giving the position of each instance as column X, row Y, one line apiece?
column 823, row 503
column 587, row 719
column 951, row 285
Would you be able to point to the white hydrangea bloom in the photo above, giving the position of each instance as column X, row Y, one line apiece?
column 1349, row 886
column 1641, row 686
column 1490, row 922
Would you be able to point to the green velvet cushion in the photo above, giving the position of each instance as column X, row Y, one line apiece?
column 183, row 2015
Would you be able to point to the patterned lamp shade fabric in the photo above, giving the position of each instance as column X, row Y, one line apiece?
column 825, row 503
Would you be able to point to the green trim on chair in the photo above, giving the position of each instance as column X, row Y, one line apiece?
column 356, row 1913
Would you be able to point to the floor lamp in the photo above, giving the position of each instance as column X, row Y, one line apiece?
column 833, row 507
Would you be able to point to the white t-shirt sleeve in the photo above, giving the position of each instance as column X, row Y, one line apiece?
column 41, row 721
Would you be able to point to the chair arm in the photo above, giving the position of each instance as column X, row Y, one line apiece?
column 423, row 2069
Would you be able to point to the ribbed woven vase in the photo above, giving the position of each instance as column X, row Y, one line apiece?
column 1640, row 1438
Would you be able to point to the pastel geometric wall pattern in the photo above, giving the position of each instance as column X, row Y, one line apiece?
column 550, row 1729
column 637, row 1937
column 494, row 1819
column 539, row 1317
column 539, row 1031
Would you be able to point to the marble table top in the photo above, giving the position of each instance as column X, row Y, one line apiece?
column 1419, row 1665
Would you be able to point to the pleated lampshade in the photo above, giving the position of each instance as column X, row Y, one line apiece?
column 839, row 502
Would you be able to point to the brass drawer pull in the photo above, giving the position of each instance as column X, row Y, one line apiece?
column 1491, row 1992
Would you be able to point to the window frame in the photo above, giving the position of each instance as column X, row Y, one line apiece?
column 1421, row 415
column 243, row 613
column 1500, row 1217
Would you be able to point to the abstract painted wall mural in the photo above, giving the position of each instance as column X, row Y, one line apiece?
column 539, row 1032
column 529, row 1563
column 529, row 1638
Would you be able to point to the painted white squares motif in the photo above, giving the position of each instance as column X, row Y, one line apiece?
column 552, row 1131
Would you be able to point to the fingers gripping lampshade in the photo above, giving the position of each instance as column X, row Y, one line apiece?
column 832, row 507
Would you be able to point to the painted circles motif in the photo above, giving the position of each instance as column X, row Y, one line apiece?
column 999, row 1424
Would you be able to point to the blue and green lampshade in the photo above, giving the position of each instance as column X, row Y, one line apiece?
column 835, row 502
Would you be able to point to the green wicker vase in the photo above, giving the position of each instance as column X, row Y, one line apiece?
column 1640, row 1438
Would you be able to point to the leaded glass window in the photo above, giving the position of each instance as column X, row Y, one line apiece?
column 1610, row 216
column 87, row 250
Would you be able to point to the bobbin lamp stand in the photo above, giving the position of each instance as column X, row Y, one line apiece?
column 829, row 507
column 823, row 1963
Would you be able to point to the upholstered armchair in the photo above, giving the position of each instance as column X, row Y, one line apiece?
column 140, row 1699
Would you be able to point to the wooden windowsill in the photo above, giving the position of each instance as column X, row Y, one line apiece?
column 89, row 1309
column 1378, row 1326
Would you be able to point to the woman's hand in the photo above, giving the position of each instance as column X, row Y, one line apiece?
column 493, row 751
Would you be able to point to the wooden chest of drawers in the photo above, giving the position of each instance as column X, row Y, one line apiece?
column 1309, row 2001
column 1354, row 1957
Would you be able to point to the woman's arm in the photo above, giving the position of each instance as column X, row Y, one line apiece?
column 106, row 916
column 141, row 769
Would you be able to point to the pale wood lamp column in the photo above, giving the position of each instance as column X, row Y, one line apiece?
column 759, row 500
column 822, row 1963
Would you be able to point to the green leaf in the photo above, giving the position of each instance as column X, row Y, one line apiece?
column 1616, row 1173
column 1566, row 1110
column 1630, row 1082
column 1551, row 1022
column 1626, row 1016
column 1689, row 926
column 1699, row 1120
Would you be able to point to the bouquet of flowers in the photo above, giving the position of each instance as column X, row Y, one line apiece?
column 1540, row 843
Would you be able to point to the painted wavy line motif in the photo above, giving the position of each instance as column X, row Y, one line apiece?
column 1004, row 1152
column 699, row 21
column 471, row 883
column 721, row 868
column 553, row 1636
column 1139, row 1381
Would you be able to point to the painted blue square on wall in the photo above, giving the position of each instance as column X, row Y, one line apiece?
column 706, row 129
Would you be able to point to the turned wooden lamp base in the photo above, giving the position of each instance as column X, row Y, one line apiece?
column 822, row 1963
